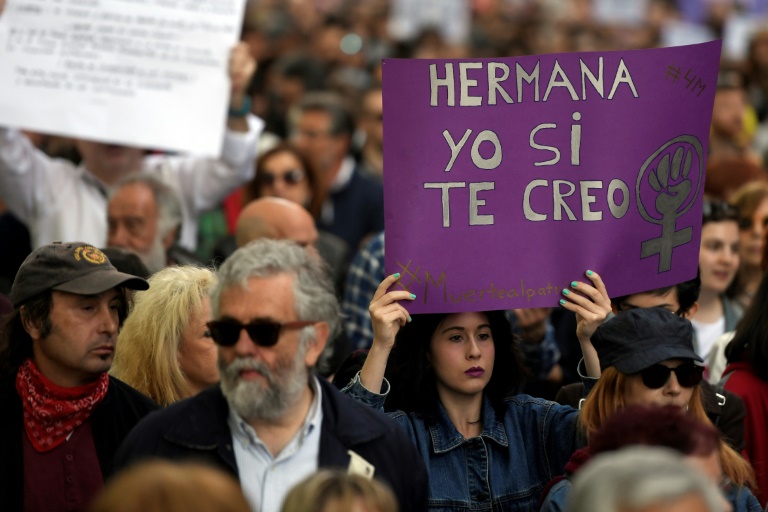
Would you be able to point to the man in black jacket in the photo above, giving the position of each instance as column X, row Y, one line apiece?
column 272, row 421
column 63, row 416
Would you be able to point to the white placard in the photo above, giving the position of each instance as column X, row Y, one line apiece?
column 451, row 18
column 682, row 33
column 147, row 73
column 632, row 12
column 738, row 32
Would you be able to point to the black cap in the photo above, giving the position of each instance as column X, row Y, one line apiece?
column 73, row 267
column 636, row 339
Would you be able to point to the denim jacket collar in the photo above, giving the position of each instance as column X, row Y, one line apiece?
column 445, row 437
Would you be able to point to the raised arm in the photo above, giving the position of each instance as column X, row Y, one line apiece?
column 30, row 179
column 592, row 306
column 539, row 347
column 204, row 183
column 242, row 66
column 387, row 317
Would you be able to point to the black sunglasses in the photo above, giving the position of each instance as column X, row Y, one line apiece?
column 292, row 177
column 656, row 376
column 265, row 334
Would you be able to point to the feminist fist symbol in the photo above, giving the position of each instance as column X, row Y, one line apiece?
column 671, row 197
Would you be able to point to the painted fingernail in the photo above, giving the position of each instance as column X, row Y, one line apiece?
column 562, row 302
column 574, row 284
column 413, row 295
column 410, row 319
column 397, row 275
column 589, row 272
column 566, row 292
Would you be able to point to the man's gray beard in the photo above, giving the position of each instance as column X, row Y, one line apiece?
column 155, row 259
column 253, row 400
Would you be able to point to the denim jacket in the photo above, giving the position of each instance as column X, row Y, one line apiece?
column 504, row 469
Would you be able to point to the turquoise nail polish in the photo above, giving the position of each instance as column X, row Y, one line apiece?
column 413, row 295
column 562, row 301
column 589, row 272
column 566, row 292
column 397, row 275
column 410, row 319
column 574, row 284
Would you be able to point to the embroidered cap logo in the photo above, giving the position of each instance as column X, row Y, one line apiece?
column 90, row 254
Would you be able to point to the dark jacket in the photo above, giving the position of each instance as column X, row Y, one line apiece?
column 197, row 428
column 724, row 408
column 358, row 210
column 111, row 420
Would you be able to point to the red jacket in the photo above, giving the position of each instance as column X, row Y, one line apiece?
column 754, row 391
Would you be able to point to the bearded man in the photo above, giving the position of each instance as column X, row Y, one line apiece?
column 144, row 215
column 272, row 421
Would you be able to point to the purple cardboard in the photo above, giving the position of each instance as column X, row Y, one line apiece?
column 506, row 179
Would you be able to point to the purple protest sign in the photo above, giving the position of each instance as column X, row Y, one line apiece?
column 507, row 178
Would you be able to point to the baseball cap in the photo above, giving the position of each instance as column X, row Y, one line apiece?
column 74, row 267
column 639, row 338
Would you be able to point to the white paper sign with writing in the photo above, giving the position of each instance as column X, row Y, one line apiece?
column 147, row 73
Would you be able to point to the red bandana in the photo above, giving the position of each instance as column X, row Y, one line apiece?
column 51, row 412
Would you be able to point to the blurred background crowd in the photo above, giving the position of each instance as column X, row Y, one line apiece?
column 310, row 46
column 318, row 90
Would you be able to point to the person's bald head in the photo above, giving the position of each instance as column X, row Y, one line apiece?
column 276, row 219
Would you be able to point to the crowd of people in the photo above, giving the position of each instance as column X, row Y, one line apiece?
column 185, row 333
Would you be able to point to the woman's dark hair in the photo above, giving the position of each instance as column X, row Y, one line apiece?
column 750, row 341
column 253, row 188
column 15, row 341
column 718, row 211
column 414, row 387
column 687, row 294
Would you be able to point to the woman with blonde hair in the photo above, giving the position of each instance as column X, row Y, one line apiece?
column 338, row 491
column 164, row 349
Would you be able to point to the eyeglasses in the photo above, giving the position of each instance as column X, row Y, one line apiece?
column 265, row 334
column 656, row 376
column 292, row 177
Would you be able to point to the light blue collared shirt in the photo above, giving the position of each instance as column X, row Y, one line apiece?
column 265, row 479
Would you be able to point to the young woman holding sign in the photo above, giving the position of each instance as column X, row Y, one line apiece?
column 453, row 381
